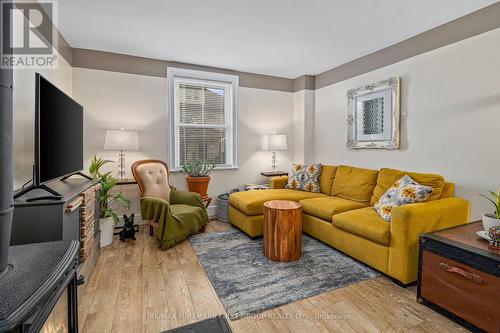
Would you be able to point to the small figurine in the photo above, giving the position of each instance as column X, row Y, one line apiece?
column 129, row 229
column 494, row 234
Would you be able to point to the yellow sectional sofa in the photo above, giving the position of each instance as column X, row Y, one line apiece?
column 342, row 215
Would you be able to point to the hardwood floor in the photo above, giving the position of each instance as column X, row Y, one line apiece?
column 138, row 288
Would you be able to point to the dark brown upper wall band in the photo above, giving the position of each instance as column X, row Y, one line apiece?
column 62, row 45
column 470, row 25
column 304, row 82
column 115, row 62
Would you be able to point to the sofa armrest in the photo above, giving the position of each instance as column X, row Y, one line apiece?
column 410, row 221
column 278, row 182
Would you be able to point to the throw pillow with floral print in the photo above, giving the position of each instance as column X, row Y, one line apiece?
column 404, row 191
column 311, row 178
column 295, row 177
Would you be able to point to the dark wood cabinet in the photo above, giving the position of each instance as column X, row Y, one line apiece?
column 52, row 220
column 459, row 276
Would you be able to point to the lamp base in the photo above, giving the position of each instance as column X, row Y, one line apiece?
column 274, row 161
column 121, row 165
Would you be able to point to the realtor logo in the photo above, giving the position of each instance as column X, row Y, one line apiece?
column 28, row 34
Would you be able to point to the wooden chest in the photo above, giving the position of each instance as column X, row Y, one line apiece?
column 459, row 276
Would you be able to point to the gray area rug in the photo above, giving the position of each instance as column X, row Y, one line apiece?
column 247, row 282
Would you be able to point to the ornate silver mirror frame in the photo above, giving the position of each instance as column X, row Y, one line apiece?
column 373, row 115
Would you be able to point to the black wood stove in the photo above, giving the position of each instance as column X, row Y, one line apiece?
column 38, row 289
column 37, row 281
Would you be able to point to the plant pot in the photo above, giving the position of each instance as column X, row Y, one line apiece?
column 198, row 185
column 107, row 227
column 489, row 221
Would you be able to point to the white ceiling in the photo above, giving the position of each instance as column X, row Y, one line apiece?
column 285, row 38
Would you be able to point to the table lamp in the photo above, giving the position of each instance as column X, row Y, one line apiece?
column 121, row 140
column 274, row 142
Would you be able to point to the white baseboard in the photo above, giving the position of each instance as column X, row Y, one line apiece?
column 211, row 211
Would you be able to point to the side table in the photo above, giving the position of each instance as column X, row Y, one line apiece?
column 282, row 230
column 126, row 181
column 274, row 173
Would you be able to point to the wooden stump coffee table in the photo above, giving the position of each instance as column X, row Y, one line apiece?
column 282, row 230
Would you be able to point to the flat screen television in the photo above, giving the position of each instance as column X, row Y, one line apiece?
column 58, row 133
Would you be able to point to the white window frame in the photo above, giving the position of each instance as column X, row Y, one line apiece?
column 230, row 83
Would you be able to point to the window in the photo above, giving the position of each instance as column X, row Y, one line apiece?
column 202, row 117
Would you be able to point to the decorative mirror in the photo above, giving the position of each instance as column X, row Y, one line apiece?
column 373, row 115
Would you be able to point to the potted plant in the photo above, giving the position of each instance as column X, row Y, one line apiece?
column 492, row 220
column 198, row 176
column 107, row 200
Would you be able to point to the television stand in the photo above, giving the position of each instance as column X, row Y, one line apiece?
column 55, row 195
column 78, row 173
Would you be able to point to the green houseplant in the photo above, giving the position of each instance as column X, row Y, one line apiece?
column 197, row 176
column 108, row 201
column 492, row 220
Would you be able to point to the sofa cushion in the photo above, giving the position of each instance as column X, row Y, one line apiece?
column 295, row 177
column 364, row 222
column 387, row 177
column 251, row 202
column 354, row 183
column 405, row 191
column 326, row 178
column 326, row 207
column 311, row 178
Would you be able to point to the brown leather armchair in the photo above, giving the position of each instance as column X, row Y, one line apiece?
column 180, row 213
column 152, row 178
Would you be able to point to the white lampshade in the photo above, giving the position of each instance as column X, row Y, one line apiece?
column 121, row 140
column 274, row 142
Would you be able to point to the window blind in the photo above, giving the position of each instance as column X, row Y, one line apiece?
column 202, row 126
